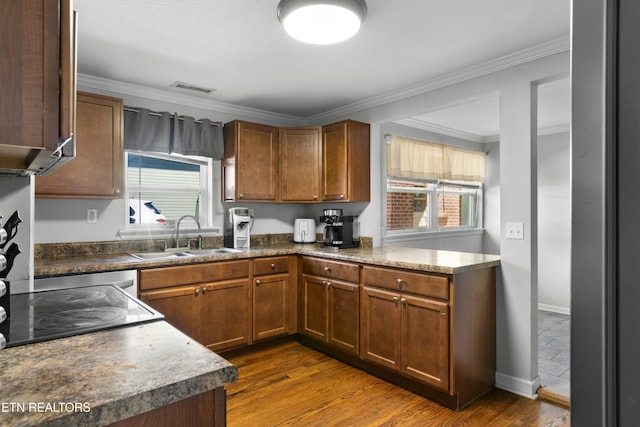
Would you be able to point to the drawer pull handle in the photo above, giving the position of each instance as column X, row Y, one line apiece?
column 399, row 281
column 328, row 269
column 273, row 266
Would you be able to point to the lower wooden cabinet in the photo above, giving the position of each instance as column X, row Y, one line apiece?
column 178, row 305
column 228, row 304
column 432, row 333
column 331, row 307
column 209, row 302
column 225, row 314
column 406, row 333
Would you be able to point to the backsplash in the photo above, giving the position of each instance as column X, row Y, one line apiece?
column 73, row 249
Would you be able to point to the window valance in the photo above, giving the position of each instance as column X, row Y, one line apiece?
column 162, row 132
column 409, row 158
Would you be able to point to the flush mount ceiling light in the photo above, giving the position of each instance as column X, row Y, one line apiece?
column 322, row 21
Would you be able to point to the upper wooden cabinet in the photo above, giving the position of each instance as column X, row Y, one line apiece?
column 345, row 162
column 303, row 165
column 300, row 164
column 96, row 172
column 251, row 159
column 37, row 75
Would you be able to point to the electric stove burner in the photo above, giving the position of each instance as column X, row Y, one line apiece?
column 46, row 315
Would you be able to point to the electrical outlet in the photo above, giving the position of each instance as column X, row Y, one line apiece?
column 515, row 230
column 92, row 216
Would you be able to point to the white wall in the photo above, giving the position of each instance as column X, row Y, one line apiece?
column 554, row 223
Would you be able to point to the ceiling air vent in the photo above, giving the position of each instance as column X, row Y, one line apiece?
column 193, row 88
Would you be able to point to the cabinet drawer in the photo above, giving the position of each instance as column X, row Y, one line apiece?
column 332, row 269
column 404, row 281
column 273, row 265
column 165, row 277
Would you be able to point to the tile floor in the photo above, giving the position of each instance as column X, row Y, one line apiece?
column 553, row 351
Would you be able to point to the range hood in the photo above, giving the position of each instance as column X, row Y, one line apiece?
column 19, row 161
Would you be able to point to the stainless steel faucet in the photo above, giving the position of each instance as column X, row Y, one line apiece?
column 178, row 228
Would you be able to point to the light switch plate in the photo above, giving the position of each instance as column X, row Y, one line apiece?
column 515, row 230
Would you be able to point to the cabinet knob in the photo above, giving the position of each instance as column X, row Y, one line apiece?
column 273, row 266
column 197, row 291
column 328, row 269
column 399, row 281
column 395, row 299
column 403, row 300
column 117, row 191
column 241, row 195
column 342, row 196
column 204, row 290
column 258, row 282
column 315, row 197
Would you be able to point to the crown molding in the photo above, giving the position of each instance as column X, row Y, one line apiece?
column 555, row 129
column 508, row 61
column 442, row 130
column 99, row 83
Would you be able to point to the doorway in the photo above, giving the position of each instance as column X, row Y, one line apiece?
column 554, row 236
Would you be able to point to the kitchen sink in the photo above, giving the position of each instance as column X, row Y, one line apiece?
column 160, row 255
column 181, row 253
column 196, row 252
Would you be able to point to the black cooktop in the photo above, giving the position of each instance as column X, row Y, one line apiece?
column 47, row 315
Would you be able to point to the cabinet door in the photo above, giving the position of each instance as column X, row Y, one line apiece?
column 257, row 155
column 314, row 306
column 344, row 316
column 178, row 305
column 225, row 314
column 270, row 308
column 425, row 340
column 346, row 162
column 381, row 330
column 96, row 171
column 335, row 158
column 300, row 164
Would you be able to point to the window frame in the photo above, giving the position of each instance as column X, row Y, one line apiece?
column 433, row 188
column 204, row 189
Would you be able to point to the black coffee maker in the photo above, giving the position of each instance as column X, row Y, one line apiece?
column 341, row 231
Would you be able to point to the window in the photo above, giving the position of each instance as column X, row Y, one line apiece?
column 432, row 187
column 164, row 187
column 414, row 205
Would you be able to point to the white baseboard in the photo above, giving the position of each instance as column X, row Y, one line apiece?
column 554, row 308
column 518, row 386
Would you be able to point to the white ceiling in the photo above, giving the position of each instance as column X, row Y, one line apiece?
column 239, row 48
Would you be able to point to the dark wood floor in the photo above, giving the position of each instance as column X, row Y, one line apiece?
column 290, row 384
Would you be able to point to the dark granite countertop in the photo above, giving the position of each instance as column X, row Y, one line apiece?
column 103, row 377
column 426, row 260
